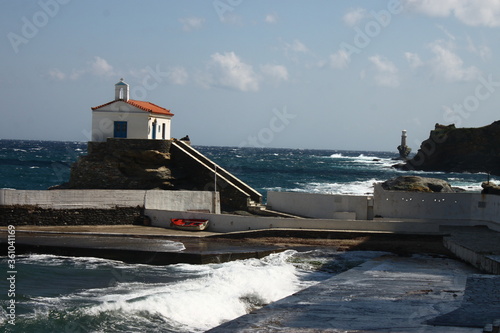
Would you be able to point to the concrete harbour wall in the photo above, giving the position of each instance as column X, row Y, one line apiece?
column 232, row 223
column 460, row 209
column 466, row 209
column 481, row 261
column 395, row 211
column 322, row 206
column 109, row 199
column 72, row 199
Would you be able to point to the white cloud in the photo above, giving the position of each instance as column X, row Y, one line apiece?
column 178, row 75
column 191, row 23
column 276, row 72
column 446, row 32
column 340, row 60
column 354, row 16
column 76, row 73
column 97, row 67
column 227, row 70
column 271, row 18
column 386, row 72
column 297, row 46
column 232, row 18
column 483, row 51
column 295, row 50
column 101, row 67
column 57, row 74
column 470, row 12
column 448, row 65
column 413, row 60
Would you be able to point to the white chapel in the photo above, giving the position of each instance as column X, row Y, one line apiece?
column 127, row 118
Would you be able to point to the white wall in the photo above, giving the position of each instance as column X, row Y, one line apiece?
column 183, row 200
column 103, row 124
column 139, row 122
column 232, row 223
column 323, row 206
column 463, row 208
column 159, row 125
column 70, row 199
column 61, row 199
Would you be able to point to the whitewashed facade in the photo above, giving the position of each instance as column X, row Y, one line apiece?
column 131, row 119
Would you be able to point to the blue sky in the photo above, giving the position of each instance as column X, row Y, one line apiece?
column 300, row 74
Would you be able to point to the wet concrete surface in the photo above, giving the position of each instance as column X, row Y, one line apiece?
column 478, row 245
column 480, row 305
column 479, row 239
column 136, row 245
column 391, row 294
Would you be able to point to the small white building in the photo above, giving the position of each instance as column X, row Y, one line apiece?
column 127, row 118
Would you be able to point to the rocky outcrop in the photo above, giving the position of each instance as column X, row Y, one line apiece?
column 452, row 149
column 490, row 188
column 109, row 167
column 123, row 170
column 417, row 184
column 154, row 164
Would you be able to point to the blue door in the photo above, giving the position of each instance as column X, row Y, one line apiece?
column 154, row 130
column 120, row 129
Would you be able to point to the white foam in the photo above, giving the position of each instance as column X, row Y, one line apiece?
column 183, row 297
column 363, row 159
column 84, row 262
column 353, row 188
column 220, row 293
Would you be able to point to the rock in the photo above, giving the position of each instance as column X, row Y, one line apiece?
column 143, row 164
column 122, row 169
column 452, row 149
column 417, row 184
column 490, row 188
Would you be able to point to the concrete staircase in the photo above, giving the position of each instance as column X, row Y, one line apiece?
column 227, row 184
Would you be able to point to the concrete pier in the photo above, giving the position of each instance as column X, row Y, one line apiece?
column 133, row 244
column 390, row 294
column 478, row 246
column 400, row 294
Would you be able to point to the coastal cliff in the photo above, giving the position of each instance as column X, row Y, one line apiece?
column 452, row 149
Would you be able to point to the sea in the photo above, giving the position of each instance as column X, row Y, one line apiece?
column 86, row 294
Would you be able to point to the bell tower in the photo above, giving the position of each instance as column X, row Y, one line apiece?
column 121, row 91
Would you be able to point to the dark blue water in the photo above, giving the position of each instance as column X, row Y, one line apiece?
column 37, row 165
column 67, row 294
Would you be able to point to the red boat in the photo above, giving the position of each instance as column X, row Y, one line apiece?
column 189, row 224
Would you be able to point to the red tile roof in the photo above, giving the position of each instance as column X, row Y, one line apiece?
column 146, row 106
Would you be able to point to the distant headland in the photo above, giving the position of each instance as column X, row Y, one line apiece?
column 451, row 149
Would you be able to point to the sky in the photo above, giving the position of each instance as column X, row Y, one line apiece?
column 346, row 75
